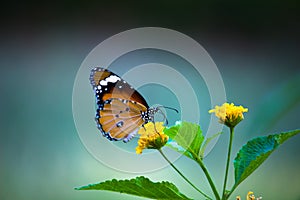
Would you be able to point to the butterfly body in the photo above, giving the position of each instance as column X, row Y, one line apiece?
column 121, row 110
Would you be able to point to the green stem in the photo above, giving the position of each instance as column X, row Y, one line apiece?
column 231, row 191
column 164, row 156
column 224, row 197
column 210, row 181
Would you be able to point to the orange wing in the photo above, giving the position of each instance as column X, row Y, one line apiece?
column 119, row 118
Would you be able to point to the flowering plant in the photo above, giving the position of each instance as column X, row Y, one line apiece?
column 187, row 139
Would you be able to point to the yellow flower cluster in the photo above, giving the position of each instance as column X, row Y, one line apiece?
column 152, row 137
column 250, row 196
column 229, row 114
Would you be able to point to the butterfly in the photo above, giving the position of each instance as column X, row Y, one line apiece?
column 121, row 110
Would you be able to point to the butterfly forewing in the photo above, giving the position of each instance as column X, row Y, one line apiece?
column 120, row 107
column 111, row 85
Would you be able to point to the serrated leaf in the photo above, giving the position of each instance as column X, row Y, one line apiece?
column 255, row 152
column 188, row 136
column 140, row 186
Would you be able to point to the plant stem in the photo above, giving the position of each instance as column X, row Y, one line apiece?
column 231, row 191
column 210, row 181
column 164, row 156
column 228, row 161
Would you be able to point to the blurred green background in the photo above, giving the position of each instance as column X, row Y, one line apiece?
column 255, row 45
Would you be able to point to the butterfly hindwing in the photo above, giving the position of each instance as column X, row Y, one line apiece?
column 119, row 118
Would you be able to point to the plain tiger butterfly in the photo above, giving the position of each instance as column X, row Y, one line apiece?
column 121, row 110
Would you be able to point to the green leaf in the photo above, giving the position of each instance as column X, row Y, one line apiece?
column 255, row 152
column 173, row 145
column 188, row 136
column 140, row 186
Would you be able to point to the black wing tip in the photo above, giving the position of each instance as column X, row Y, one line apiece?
column 99, row 69
column 92, row 74
column 94, row 71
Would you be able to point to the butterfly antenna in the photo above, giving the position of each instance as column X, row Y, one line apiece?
column 144, row 127
column 164, row 115
column 174, row 109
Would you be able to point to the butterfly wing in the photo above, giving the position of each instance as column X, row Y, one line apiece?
column 120, row 119
column 120, row 107
column 111, row 85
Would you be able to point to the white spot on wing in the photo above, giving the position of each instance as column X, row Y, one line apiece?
column 112, row 79
column 103, row 82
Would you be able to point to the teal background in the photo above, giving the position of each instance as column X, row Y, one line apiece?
column 254, row 44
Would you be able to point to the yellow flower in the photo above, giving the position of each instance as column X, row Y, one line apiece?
column 250, row 196
column 229, row 114
column 152, row 137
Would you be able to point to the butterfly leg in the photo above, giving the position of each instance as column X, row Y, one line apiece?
column 156, row 129
column 144, row 127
